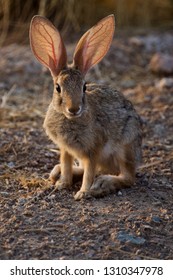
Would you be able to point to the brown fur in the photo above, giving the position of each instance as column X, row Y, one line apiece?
column 105, row 138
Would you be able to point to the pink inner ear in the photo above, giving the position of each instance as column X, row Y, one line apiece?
column 47, row 44
column 94, row 44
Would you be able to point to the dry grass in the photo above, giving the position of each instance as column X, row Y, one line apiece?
column 73, row 15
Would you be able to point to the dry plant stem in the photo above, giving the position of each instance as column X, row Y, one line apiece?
column 6, row 96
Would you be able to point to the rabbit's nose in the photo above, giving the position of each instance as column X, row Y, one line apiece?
column 74, row 110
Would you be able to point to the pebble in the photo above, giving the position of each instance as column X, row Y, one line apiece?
column 11, row 164
column 128, row 83
column 21, row 201
column 136, row 41
column 2, row 86
column 164, row 83
column 128, row 237
column 4, row 194
column 156, row 219
column 119, row 193
column 153, row 43
column 161, row 63
column 159, row 130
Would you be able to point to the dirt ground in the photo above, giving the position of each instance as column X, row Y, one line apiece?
column 136, row 223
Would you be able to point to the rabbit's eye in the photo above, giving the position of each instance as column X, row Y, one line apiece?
column 58, row 88
column 84, row 88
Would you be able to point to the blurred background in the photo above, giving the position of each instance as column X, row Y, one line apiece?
column 75, row 16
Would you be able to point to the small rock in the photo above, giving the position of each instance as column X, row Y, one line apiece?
column 159, row 130
column 119, row 193
column 153, row 43
column 164, row 83
column 11, row 164
column 161, row 64
column 128, row 83
column 156, row 219
column 4, row 194
column 136, row 41
column 127, row 237
column 2, row 85
column 21, row 201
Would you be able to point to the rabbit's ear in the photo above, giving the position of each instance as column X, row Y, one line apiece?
column 94, row 44
column 47, row 45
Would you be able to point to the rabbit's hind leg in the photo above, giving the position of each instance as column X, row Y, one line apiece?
column 105, row 184
column 56, row 172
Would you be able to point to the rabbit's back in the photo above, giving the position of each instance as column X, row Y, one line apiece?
column 113, row 113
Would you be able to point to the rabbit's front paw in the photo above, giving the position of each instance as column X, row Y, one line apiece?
column 80, row 194
column 61, row 184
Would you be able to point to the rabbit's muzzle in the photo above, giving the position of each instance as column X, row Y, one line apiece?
column 74, row 111
column 73, row 105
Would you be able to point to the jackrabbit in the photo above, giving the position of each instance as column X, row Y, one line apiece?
column 92, row 123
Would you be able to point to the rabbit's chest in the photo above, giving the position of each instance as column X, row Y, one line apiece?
column 71, row 136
